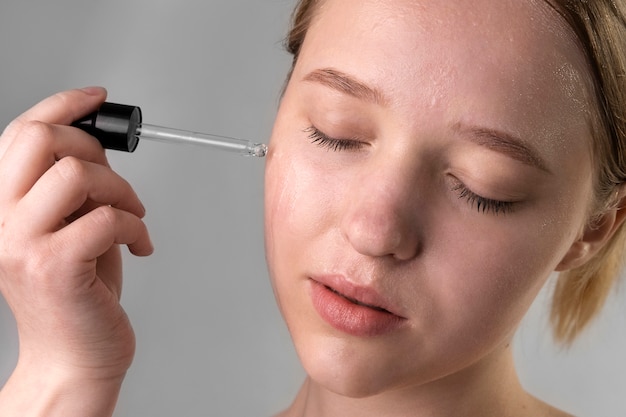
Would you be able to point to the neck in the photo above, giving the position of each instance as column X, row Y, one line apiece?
column 487, row 388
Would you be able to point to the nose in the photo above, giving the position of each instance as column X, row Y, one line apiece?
column 381, row 216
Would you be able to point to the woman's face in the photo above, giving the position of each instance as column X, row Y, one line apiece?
column 429, row 168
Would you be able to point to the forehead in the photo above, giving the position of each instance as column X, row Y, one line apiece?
column 504, row 21
column 511, row 61
column 511, row 35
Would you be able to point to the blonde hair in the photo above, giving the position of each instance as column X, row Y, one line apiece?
column 600, row 28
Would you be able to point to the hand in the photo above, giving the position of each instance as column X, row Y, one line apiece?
column 63, row 213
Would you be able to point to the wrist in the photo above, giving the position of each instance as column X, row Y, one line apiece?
column 79, row 355
column 37, row 391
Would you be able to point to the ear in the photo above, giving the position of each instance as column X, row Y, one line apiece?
column 595, row 236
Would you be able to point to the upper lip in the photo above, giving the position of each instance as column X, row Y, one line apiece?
column 358, row 294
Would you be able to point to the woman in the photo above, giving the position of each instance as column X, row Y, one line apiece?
column 430, row 166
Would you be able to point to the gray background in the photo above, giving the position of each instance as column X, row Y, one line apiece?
column 210, row 339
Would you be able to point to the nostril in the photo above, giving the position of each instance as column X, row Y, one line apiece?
column 382, row 236
column 407, row 251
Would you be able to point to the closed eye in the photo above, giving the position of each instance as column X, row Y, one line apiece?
column 482, row 204
column 334, row 144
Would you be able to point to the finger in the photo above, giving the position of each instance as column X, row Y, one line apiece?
column 62, row 108
column 37, row 148
column 96, row 232
column 71, row 184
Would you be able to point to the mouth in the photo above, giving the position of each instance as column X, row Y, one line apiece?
column 352, row 309
column 357, row 302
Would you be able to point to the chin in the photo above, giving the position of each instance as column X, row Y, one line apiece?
column 344, row 367
column 351, row 384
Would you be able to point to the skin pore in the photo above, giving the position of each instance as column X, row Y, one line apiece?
column 430, row 159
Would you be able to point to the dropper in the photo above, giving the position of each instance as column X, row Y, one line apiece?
column 119, row 127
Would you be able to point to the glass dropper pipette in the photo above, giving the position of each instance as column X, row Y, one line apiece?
column 225, row 143
column 119, row 126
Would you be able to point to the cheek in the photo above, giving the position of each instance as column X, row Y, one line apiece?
column 290, row 212
column 297, row 206
column 297, row 213
column 491, row 274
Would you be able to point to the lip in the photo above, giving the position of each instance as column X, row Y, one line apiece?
column 355, row 310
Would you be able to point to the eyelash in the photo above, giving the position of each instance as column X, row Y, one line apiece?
column 482, row 204
column 324, row 141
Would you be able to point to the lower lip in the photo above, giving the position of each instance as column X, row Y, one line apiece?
column 350, row 318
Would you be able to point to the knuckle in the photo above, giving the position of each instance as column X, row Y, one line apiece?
column 68, row 100
column 71, row 169
column 39, row 133
column 22, row 259
column 39, row 262
column 61, row 99
column 105, row 216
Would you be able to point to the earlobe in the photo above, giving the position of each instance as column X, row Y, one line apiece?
column 580, row 252
column 596, row 235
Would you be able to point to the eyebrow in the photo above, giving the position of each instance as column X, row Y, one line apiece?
column 493, row 139
column 346, row 84
column 504, row 143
